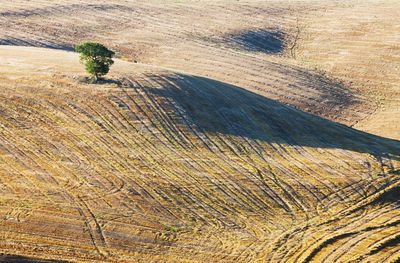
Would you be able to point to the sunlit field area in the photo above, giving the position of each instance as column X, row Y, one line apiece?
column 225, row 131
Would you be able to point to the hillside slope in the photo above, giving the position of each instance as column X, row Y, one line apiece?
column 243, row 43
column 362, row 49
column 162, row 165
column 335, row 59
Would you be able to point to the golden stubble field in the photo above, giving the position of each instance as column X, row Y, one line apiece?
column 227, row 131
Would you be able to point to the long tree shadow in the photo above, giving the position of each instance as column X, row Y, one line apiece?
column 217, row 107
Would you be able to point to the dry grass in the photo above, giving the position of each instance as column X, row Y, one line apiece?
column 362, row 49
column 193, row 154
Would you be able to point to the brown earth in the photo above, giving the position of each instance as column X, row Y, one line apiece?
column 227, row 141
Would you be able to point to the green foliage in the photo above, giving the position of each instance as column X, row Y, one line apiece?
column 171, row 229
column 96, row 58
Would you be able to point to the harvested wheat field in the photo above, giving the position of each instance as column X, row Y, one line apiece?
column 226, row 131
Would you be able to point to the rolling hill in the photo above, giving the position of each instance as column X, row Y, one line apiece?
column 157, row 162
column 226, row 131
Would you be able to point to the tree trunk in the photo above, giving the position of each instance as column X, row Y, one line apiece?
column 96, row 78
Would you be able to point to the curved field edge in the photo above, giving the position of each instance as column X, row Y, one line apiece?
column 253, row 51
column 163, row 165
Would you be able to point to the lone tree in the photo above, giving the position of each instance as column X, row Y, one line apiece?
column 96, row 58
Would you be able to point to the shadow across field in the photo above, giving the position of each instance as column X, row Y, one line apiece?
column 261, row 40
column 34, row 43
column 100, row 81
column 22, row 259
column 71, row 9
column 217, row 107
column 391, row 196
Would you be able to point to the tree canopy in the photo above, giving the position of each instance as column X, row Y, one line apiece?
column 96, row 58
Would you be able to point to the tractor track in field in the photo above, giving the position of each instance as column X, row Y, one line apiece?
column 222, row 141
column 131, row 136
